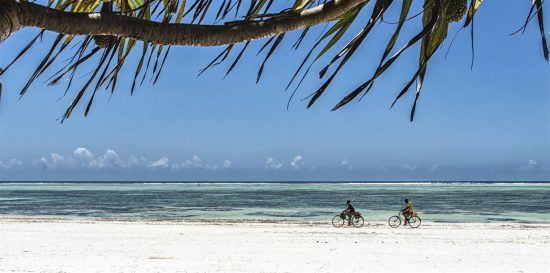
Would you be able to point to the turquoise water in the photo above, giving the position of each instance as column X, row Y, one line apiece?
column 438, row 202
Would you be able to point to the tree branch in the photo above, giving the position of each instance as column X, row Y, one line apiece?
column 24, row 14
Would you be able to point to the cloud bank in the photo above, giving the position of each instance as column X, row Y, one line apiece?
column 82, row 158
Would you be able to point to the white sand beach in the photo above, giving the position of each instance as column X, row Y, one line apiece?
column 50, row 245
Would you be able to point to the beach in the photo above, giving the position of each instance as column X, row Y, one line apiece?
column 47, row 244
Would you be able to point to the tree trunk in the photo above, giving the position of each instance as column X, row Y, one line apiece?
column 15, row 14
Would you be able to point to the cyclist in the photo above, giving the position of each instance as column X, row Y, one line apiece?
column 407, row 210
column 349, row 211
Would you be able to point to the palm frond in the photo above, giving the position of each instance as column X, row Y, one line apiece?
column 108, row 55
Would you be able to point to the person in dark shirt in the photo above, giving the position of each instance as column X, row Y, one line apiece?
column 349, row 211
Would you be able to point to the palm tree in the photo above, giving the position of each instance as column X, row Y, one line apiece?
column 112, row 29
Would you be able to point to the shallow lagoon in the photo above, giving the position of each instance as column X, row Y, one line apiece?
column 437, row 202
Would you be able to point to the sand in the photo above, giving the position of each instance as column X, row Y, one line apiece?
column 69, row 245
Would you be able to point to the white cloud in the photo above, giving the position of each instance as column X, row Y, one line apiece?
column 271, row 164
column 532, row 165
column 197, row 163
column 109, row 160
column 226, row 164
column 194, row 162
column 136, row 162
column 43, row 162
column 434, row 167
column 83, row 158
column 297, row 162
column 345, row 164
column 12, row 163
column 409, row 167
column 161, row 163
column 83, row 153
column 211, row 167
column 57, row 161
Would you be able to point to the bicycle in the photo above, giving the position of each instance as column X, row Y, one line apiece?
column 356, row 219
column 413, row 220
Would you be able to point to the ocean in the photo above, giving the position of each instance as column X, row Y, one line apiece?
column 435, row 202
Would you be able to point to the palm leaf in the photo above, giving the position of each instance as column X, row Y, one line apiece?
column 541, row 28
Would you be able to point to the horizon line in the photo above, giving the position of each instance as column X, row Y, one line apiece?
column 272, row 181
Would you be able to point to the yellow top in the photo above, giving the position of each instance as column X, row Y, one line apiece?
column 409, row 207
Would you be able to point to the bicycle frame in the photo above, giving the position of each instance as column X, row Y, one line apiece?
column 402, row 218
column 348, row 216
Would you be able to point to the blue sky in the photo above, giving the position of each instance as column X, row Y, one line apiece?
column 489, row 123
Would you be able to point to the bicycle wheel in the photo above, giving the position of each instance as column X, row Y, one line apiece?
column 394, row 221
column 415, row 221
column 357, row 221
column 337, row 221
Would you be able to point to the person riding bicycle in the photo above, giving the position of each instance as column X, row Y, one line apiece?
column 349, row 211
column 407, row 210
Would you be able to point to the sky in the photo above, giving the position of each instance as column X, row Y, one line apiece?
column 488, row 123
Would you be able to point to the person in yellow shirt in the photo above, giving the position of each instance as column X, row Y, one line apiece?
column 407, row 210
